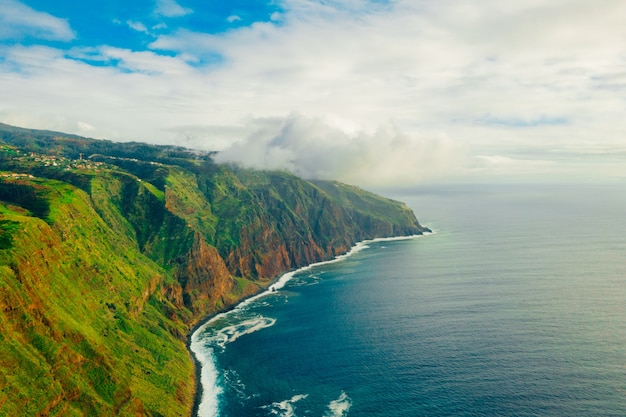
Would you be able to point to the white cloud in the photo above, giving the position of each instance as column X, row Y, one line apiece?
column 19, row 21
column 312, row 148
column 233, row 18
column 146, row 62
column 399, row 62
column 137, row 26
column 169, row 8
column 85, row 127
column 54, row 91
column 453, row 84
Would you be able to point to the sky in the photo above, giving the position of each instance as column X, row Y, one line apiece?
column 375, row 93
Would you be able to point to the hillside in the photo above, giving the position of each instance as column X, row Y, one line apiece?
column 110, row 252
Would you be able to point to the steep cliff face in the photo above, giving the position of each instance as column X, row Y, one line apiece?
column 113, row 257
column 204, row 276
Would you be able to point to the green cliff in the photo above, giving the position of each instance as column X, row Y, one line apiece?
column 110, row 252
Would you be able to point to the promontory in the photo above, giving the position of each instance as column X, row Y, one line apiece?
column 111, row 252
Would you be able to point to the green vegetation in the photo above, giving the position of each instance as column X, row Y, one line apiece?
column 8, row 229
column 109, row 253
column 77, row 301
column 25, row 196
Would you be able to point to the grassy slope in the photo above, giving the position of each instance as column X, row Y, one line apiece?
column 368, row 204
column 77, row 300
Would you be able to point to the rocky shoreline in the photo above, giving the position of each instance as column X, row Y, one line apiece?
column 197, row 400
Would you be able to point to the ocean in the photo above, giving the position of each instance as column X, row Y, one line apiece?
column 515, row 306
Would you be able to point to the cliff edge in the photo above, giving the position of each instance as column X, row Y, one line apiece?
column 111, row 252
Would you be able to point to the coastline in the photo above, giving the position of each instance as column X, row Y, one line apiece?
column 197, row 397
column 276, row 284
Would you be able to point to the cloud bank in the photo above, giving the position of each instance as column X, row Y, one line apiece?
column 313, row 149
column 169, row 8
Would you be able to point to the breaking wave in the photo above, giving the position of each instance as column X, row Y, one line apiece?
column 285, row 408
column 203, row 345
column 339, row 407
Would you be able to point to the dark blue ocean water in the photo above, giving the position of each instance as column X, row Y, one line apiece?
column 516, row 306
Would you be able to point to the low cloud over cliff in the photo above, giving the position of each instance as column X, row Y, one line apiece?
column 314, row 148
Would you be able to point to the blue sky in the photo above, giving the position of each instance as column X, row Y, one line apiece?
column 134, row 24
column 369, row 92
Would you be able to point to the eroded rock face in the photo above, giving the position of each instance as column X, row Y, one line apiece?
column 262, row 224
column 205, row 275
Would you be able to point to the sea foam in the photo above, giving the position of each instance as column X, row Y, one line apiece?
column 203, row 344
column 209, row 405
column 285, row 408
column 231, row 333
column 339, row 407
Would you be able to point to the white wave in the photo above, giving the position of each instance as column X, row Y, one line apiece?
column 286, row 408
column 231, row 333
column 209, row 404
column 201, row 346
column 358, row 247
column 285, row 278
column 339, row 407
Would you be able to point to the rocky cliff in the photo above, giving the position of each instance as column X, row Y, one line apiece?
column 109, row 253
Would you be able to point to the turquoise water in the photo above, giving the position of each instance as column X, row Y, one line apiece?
column 514, row 307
